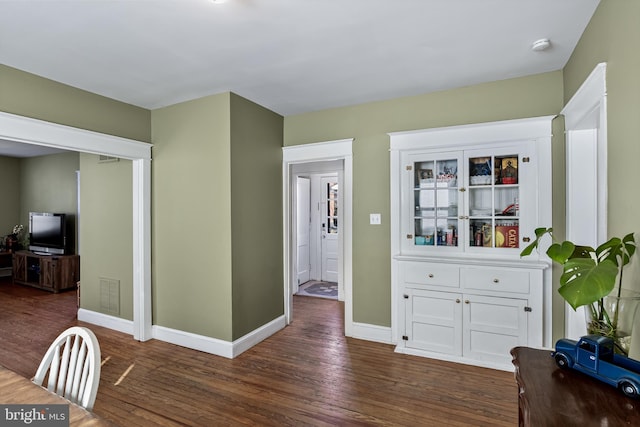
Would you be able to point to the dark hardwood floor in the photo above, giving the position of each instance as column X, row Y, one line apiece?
column 306, row 374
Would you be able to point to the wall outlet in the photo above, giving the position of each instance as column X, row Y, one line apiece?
column 375, row 219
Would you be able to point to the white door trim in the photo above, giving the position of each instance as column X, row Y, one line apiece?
column 585, row 121
column 38, row 132
column 321, row 151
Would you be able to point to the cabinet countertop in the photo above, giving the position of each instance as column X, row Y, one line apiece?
column 466, row 259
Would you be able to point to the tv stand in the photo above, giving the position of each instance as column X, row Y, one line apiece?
column 53, row 273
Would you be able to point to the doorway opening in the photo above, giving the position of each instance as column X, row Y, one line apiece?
column 37, row 132
column 330, row 165
column 317, row 237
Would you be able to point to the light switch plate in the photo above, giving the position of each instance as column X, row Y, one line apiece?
column 375, row 219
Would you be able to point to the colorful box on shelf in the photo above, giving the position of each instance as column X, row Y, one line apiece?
column 507, row 236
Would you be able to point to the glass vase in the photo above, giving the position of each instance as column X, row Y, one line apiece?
column 613, row 317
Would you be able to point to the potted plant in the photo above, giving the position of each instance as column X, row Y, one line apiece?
column 588, row 279
column 12, row 241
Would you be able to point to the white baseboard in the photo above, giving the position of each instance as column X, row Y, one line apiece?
column 507, row 366
column 254, row 337
column 193, row 341
column 365, row 331
column 101, row 319
column 187, row 339
column 215, row 346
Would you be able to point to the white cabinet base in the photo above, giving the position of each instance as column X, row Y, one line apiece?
column 456, row 359
column 464, row 327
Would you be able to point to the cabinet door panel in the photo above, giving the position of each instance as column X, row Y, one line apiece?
column 493, row 326
column 497, row 180
column 19, row 267
column 431, row 206
column 48, row 270
column 434, row 321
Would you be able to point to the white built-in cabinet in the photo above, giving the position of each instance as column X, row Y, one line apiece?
column 465, row 200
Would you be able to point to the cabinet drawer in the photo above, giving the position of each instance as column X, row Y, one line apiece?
column 495, row 280
column 423, row 273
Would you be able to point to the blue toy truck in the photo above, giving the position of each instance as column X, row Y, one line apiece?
column 594, row 356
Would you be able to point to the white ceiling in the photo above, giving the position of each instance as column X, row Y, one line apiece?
column 291, row 56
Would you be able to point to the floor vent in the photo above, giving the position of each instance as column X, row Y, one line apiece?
column 110, row 296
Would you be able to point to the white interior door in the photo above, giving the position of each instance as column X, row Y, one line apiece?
column 303, row 221
column 329, row 228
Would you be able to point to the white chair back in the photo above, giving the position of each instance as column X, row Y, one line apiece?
column 72, row 363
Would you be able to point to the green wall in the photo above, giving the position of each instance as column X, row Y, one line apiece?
column 256, row 215
column 191, row 201
column 613, row 36
column 217, row 225
column 49, row 184
column 28, row 95
column 106, row 230
column 537, row 95
column 9, row 195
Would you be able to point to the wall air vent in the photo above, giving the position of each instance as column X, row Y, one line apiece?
column 107, row 159
column 110, row 296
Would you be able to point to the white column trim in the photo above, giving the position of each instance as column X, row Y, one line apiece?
column 587, row 109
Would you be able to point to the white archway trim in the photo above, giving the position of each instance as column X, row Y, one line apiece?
column 47, row 134
column 586, row 146
column 585, row 107
column 321, row 151
column 32, row 131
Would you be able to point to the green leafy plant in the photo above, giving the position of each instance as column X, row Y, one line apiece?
column 589, row 275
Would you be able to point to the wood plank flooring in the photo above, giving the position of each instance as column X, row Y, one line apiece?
column 306, row 374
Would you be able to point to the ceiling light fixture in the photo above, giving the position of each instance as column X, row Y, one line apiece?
column 540, row 45
column 218, row 1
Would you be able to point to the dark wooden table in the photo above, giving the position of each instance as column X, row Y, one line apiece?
column 16, row 389
column 550, row 396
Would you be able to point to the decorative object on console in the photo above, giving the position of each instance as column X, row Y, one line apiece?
column 12, row 241
column 593, row 355
column 588, row 279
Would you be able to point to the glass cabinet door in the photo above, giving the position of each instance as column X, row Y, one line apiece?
column 435, row 201
column 493, row 200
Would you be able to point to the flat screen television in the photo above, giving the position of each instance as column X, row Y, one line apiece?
column 47, row 233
